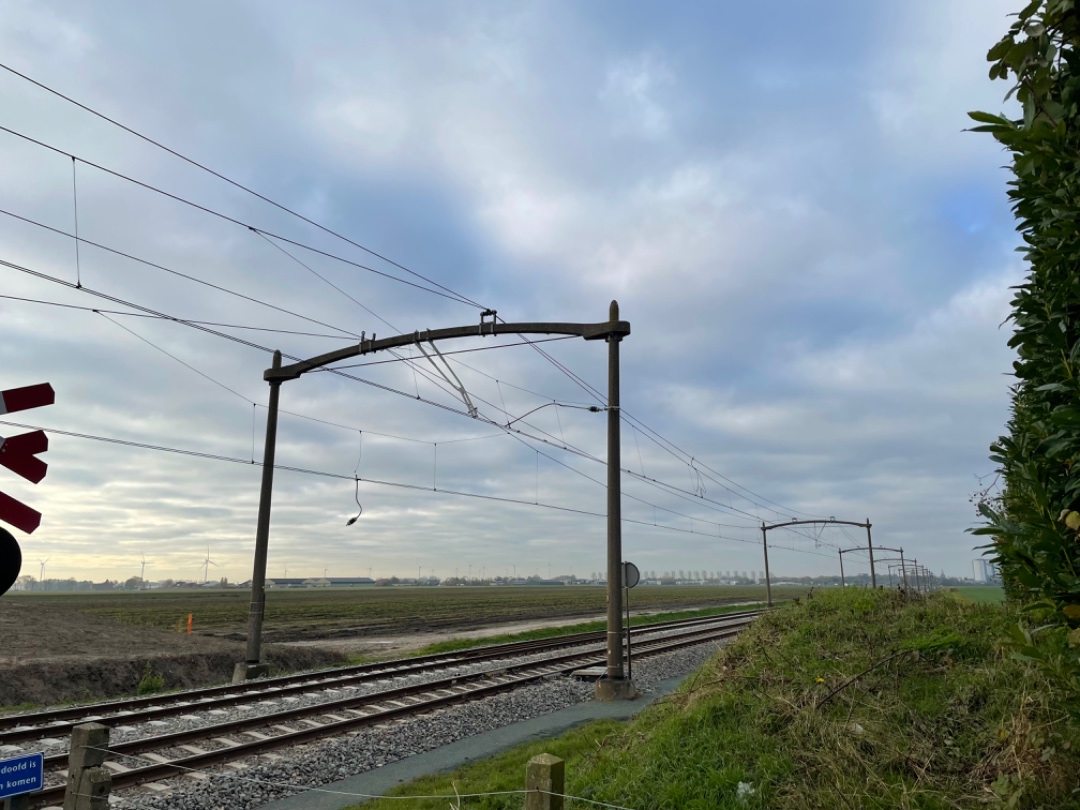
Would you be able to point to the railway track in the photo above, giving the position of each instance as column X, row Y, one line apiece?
column 297, row 709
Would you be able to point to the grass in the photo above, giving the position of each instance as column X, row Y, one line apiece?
column 855, row 699
column 296, row 613
column 983, row 594
column 20, row 707
column 454, row 644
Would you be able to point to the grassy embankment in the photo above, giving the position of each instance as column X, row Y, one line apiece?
column 983, row 594
column 849, row 700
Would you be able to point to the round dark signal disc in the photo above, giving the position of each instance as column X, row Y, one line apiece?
column 10, row 560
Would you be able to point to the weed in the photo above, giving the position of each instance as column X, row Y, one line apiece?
column 151, row 682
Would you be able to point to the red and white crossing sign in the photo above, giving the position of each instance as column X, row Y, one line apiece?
column 19, row 453
column 23, row 399
column 18, row 514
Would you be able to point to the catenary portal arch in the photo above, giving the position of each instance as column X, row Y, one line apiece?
column 765, row 528
column 615, row 685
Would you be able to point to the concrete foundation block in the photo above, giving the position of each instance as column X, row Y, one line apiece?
column 245, row 671
column 608, row 690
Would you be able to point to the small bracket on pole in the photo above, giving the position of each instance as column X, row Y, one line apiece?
column 488, row 313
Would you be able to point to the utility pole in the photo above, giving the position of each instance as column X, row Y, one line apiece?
column 870, row 548
column 765, row 547
column 252, row 667
column 615, row 686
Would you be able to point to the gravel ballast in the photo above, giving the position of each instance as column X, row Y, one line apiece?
column 291, row 771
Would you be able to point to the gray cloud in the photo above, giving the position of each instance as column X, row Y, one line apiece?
column 814, row 257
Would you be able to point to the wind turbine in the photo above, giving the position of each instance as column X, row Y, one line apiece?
column 41, row 574
column 142, row 572
column 206, row 566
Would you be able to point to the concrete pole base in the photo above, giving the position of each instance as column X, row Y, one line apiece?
column 245, row 671
column 608, row 690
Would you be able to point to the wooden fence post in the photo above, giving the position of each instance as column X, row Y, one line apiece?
column 545, row 779
column 88, row 783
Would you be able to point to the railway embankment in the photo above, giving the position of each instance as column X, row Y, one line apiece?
column 844, row 699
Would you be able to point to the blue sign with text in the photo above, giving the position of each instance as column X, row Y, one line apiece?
column 22, row 775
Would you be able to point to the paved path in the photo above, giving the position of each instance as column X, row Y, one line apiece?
column 379, row 781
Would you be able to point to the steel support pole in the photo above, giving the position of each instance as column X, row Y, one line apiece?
column 614, row 510
column 870, row 547
column 843, row 583
column 903, row 569
column 765, row 547
column 262, row 531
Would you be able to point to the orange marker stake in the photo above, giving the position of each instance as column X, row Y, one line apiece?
column 190, row 616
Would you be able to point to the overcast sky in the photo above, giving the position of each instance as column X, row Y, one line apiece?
column 814, row 256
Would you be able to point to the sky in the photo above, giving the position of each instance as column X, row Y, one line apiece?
column 814, row 257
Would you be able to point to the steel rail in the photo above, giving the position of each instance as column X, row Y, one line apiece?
column 54, row 721
column 378, row 714
column 347, row 703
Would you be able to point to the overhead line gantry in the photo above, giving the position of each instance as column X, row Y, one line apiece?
column 615, row 685
column 830, row 521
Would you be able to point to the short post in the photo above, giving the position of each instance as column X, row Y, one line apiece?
column 88, row 783
column 545, row 781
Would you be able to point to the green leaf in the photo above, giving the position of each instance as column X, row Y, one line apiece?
column 987, row 118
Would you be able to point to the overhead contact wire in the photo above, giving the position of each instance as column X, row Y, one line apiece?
column 234, row 220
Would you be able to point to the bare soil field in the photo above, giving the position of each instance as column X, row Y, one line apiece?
column 305, row 614
column 53, row 653
column 82, row 646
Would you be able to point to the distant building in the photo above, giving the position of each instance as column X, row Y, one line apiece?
column 984, row 570
column 321, row 582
